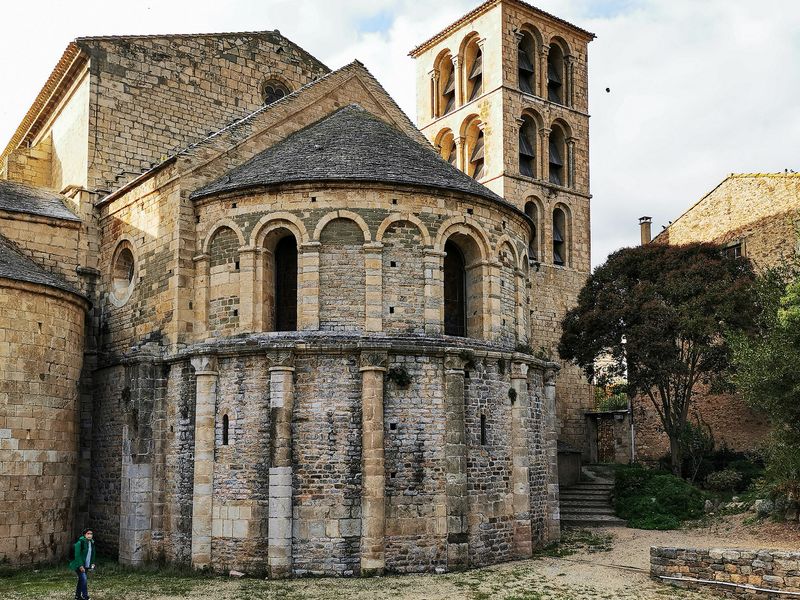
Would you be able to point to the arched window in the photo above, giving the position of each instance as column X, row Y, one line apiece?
column 560, row 236
column 286, row 285
column 557, row 156
column 526, row 53
column 455, row 291
column 280, row 281
column 447, row 85
column 555, row 74
column 474, row 154
column 527, row 147
column 447, row 147
column 123, row 269
column 474, row 70
column 274, row 90
column 225, row 424
column 532, row 210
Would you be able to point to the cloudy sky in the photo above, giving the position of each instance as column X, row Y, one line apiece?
column 699, row 89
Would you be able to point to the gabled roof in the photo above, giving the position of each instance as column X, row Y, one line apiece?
column 15, row 265
column 23, row 198
column 76, row 56
column 351, row 144
column 479, row 10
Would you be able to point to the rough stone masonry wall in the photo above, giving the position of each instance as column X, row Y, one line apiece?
column 41, row 353
column 241, row 469
column 153, row 95
column 414, row 434
column 733, row 424
column 757, row 571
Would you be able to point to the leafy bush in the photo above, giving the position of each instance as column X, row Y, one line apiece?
column 652, row 499
column 723, row 481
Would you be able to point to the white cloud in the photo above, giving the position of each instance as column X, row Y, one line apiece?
column 698, row 89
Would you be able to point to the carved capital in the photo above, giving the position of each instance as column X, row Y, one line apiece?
column 373, row 360
column 204, row 365
column 519, row 370
column 457, row 359
column 545, row 132
column 282, row 359
column 549, row 376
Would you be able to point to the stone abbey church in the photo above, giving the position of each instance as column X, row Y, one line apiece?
column 252, row 317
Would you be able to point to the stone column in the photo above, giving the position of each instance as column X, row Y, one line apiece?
column 459, row 78
column 543, row 71
column 247, row 288
column 460, row 147
column 206, row 373
column 373, row 286
column 520, row 460
column 455, row 453
column 569, row 84
column 571, row 161
column 201, row 266
column 281, row 401
column 552, row 525
column 308, row 287
column 373, row 496
column 544, row 161
column 434, row 292
column 434, row 79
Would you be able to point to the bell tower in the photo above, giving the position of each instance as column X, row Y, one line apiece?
column 502, row 95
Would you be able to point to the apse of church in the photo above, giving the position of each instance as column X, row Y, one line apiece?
column 308, row 335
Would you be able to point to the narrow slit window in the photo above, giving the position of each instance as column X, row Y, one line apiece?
column 225, row 425
column 483, row 430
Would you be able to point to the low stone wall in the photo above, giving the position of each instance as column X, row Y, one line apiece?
column 752, row 574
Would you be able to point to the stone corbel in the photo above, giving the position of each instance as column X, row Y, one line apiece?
column 373, row 360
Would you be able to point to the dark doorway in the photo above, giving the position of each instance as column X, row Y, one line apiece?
column 455, row 291
column 286, row 285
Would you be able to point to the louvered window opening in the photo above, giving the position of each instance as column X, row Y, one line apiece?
column 558, row 238
column 476, row 76
column 554, row 83
column 476, row 158
column 527, row 153
column 525, row 69
column 449, row 93
column 556, row 164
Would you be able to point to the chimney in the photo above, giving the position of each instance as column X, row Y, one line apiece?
column 644, row 229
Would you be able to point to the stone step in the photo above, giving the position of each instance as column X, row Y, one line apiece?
column 586, row 492
column 581, row 520
column 573, row 509
column 600, row 485
column 585, row 502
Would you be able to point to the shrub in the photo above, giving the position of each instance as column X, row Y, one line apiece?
column 724, row 481
column 652, row 499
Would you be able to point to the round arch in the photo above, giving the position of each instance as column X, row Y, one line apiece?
column 342, row 214
column 397, row 217
column 275, row 221
column 461, row 225
column 222, row 223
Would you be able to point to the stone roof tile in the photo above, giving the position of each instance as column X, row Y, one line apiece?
column 23, row 198
column 15, row 265
column 351, row 144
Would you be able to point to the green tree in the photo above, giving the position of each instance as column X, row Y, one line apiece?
column 661, row 313
column 768, row 373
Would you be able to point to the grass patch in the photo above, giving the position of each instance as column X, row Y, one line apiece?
column 110, row 580
column 651, row 499
column 576, row 540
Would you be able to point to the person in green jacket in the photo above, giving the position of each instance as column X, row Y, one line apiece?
column 83, row 562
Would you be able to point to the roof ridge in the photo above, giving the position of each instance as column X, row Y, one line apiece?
column 760, row 174
column 481, row 8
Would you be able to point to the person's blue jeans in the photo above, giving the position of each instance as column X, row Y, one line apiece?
column 82, row 589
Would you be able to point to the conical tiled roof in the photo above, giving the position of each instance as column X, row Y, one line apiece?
column 348, row 145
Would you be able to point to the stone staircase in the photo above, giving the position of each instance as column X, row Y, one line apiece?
column 588, row 503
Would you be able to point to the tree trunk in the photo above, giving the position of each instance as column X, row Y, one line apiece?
column 675, row 454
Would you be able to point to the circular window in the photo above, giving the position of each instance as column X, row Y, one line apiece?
column 274, row 90
column 123, row 269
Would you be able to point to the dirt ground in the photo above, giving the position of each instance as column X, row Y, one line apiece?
column 599, row 564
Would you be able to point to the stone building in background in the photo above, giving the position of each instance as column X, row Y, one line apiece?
column 250, row 319
column 754, row 215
